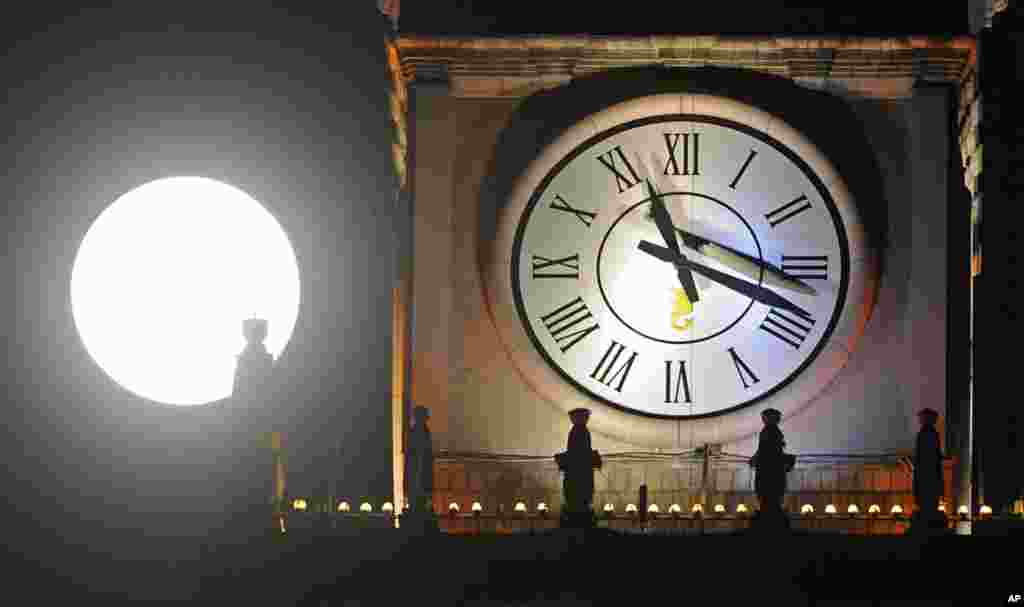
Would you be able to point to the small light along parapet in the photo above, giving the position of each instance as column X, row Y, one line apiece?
column 299, row 504
column 344, row 507
column 853, row 509
column 365, row 507
column 388, row 508
column 897, row 510
column 520, row 507
column 830, row 509
column 809, row 509
column 477, row 508
column 874, row 509
column 741, row 509
column 719, row 508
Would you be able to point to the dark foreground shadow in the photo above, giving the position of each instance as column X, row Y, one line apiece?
column 599, row 566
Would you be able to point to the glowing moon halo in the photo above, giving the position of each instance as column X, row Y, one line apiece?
column 164, row 278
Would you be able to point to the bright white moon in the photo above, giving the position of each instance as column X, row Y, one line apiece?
column 164, row 278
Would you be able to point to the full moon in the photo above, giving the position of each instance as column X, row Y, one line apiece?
column 164, row 278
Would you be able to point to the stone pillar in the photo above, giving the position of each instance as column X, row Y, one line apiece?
column 999, row 186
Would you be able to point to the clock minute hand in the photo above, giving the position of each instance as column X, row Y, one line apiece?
column 753, row 291
column 668, row 233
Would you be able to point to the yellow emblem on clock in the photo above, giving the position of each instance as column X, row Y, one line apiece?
column 682, row 311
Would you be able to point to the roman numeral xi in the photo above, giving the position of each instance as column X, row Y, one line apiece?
column 622, row 180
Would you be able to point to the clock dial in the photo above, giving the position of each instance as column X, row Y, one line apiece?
column 602, row 291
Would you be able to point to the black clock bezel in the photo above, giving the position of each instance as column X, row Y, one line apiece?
column 819, row 186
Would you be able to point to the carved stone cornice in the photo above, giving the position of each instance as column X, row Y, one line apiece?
column 520, row 65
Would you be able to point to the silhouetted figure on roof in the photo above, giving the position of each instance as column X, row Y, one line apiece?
column 419, row 472
column 254, row 363
column 249, row 460
column 927, row 475
column 578, row 463
column 771, row 465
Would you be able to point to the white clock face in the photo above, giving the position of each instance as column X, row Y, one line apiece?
column 608, row 302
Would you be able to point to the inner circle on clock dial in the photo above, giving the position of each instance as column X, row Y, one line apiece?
column 644, row 293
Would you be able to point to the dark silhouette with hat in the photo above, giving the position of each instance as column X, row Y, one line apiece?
column 771, row 465
column 927, row 475
column 578, row 463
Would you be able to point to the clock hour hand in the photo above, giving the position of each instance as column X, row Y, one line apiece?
column 668, row 233
column 751, row 290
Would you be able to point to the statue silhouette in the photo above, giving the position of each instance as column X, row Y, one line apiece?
column 927, row 474
column 419, row 470
column 771, row 465
column 578, row 463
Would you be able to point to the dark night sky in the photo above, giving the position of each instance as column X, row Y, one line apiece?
column 289, row 105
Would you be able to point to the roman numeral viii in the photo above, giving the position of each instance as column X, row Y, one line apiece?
column 560, row 321
column 605, row 366
column 790, row 328
column 807, row 267
column 565, row 267
column 681, row 382
column 690, row 161
column 622, row 180
column 741, row 368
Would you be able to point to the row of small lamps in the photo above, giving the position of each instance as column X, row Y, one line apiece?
column 300, row 504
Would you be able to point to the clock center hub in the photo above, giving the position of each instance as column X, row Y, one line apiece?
column 643, row 292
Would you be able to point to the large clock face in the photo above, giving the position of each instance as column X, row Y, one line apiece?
column 681, row 264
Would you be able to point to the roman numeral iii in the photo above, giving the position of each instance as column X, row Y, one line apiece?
column 622, row 180
column 565, row 267
column 807, row 267
column 681, row 381
column 564, row 318
column 605, row 366
column 790, row 328
column 690, row 161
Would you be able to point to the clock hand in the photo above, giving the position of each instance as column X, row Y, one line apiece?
column 753, row 291
column 744, row 263
column 741, row 262
column 664, row 222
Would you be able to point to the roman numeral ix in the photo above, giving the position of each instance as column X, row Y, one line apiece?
column 681, row 382
column 565, row 267
column 672, row 144
column 623, row 181
column 614, row 351
column 566, row 317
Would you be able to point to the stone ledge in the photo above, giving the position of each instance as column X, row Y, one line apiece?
column 517, row 66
